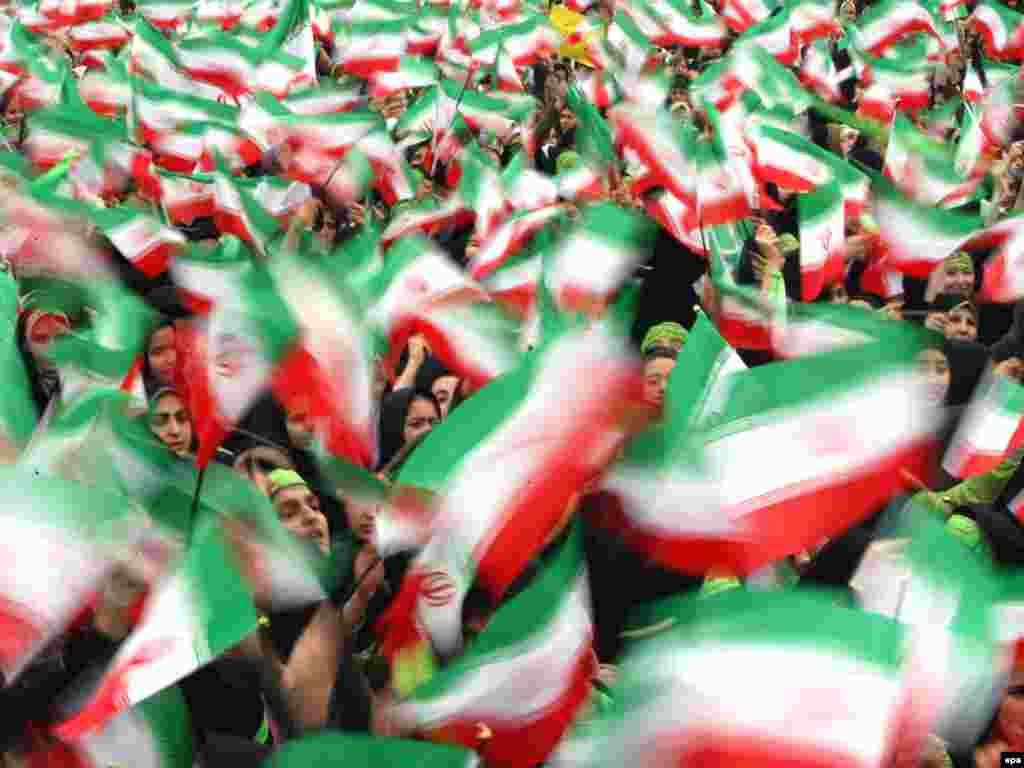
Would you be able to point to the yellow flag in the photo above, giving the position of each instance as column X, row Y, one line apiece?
column 566, row 21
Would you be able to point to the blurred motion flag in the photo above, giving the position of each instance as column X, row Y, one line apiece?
column 507, row 463
column 156, row 733
column 52, row 538
column 829, row 689
column 201, row 610
column 17, row 410
column 990, row 430
column 793, row 441
column 523, row 679
column 330, row 749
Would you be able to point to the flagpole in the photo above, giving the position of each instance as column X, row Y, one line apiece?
column 458, row 103
column 194, row 512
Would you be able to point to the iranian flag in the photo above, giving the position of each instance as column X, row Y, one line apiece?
column 106, row 92
column 237, row 68
column 814, row 329
column 808, row 416
column 411, row 72
column 924, row 169
column 970, row 146
column 373, row 46
column 56, row 550
column 166, row 15
column 97, row 35
column 17, row 410
column 185, row 198
column 918, row 237
column 747, row 318
column 787, row 159
column 506, row 465
column 155, row 733
column 148, row 244
column 231, row 355
column 990, row 430
column 701, row 389
column 477, row 341
column 202, row 609
column 593, row 260
column 507, row 240
column 1000, row 28
column 238, row 211
column 416, row 274
column 514, row 283
column 741, row 14
column 332, row 372
column 885, row 23
column 524, row 678
column 425, row 219
column 1003, row 280
column 322, row 100
column 822, row 224
column 365, row 751
column 835, row 692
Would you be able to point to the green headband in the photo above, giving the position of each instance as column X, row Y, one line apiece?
column 284, row 478
column 668, row 334
column 964, row 529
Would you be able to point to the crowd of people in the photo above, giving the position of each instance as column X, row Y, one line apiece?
column 515, row 142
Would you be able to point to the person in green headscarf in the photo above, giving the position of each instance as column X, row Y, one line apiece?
column 668, row 334
column 567, row 161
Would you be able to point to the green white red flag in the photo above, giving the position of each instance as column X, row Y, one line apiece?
column 56, row 540
column 506, row 465
column 201, row 610
column 525, row 677
column 918, row 237
column 822, row 223
column 838, row 693
column 991, row 429
column 366, row 751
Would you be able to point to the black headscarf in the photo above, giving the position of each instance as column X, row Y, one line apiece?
column 1007, row 347
column 430, row 371
column 150, row 380
column 967, row 362
column 393, row 410
column 44, row 383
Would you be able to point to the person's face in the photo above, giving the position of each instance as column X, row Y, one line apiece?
column 299, row 423
column 162, row 354
column 959, row 279
column 420, row 419
column 566, row 120
column 299, row 511
column 935, row 369
column 444, row 390
column 656, row 373
column 473, row 246
column 361, row 516
column 960, row 324
column 42, row 333
column 328, row 229
column 847, row 141
column 171, row 424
